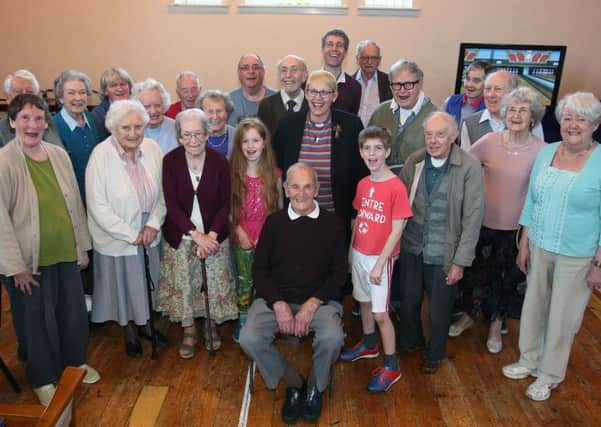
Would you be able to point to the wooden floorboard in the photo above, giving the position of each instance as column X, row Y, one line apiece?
column 468, row 390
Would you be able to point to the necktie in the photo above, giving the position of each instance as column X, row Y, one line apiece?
column 291, row 104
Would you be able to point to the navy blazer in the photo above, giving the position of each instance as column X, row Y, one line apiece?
column 347, row 167
column 213, row 194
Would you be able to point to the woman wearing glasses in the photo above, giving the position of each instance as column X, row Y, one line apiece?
column 196, row 183
column 125, row 213
column 326, row 139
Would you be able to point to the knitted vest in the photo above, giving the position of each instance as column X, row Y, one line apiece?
column 475, row 129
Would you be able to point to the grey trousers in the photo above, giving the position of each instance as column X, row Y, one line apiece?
column 416, row 277
column 257, row 335
column 55, row 323
column 554, row 305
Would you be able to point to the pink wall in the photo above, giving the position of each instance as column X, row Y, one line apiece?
column 142, row 37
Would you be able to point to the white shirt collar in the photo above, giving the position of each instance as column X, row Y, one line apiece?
column 299, row 99
column 359, row 78
column 70, row 120
column 314, row 214
column 404, row 114
column 494, row 123
column 341, row 77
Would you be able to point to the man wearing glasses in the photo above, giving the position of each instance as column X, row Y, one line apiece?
column 375, row 86
column 334, row 46
column 247, row 97
column 404, row 114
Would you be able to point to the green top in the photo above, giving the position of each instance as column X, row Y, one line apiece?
column 57, row 238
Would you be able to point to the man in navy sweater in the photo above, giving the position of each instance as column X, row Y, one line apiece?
column 299, row 271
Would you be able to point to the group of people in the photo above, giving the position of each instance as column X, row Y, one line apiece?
column 280, row 195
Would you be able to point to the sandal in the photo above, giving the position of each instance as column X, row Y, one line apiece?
column 214, row 335
column 187, row 351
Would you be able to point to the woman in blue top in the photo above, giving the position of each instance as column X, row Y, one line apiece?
column 560, row 246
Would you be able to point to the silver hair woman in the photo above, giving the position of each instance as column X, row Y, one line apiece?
column 560, row 249
column 155, row 99
column 507, row 158
column 125, row 213
column 76, row 126
column 218, row 106
column 196, row 184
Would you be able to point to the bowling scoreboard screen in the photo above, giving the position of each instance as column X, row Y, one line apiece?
column 536, row 66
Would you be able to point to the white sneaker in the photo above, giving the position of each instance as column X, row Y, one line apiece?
column 540, row 390
column 461, row 325
column 45, row 393
column 494, row 346
column 92, row 376
column 515, row 371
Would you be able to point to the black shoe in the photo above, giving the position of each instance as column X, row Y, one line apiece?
column 133, row 348
column 160, row 338
column 356, row 310
column 312, row 406
column 293, row 405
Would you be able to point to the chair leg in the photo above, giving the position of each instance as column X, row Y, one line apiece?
column 9, row 376
column 251, row 376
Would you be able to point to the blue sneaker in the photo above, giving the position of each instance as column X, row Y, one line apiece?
column 359, row 351
column 239, row 324
column 383, row 378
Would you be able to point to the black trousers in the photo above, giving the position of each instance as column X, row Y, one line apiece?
column 416, row 277
column 55, row 323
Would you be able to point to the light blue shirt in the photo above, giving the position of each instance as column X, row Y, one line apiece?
column 70, row 121
column 164, row 135
column 243, row 108
column 563, row 208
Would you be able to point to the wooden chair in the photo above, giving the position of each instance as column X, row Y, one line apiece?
column 58, row 413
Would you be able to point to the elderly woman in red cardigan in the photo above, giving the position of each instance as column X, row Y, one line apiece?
column 196, row 184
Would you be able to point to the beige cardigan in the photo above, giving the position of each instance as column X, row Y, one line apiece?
column 19, row 211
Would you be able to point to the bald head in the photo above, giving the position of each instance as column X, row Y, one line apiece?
column 496, row 86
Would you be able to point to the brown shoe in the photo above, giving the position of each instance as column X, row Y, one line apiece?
column 430, row 367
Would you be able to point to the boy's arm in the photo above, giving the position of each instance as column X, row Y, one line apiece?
column 375, row 275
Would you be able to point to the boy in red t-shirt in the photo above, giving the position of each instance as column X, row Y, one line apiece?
column 381, row 202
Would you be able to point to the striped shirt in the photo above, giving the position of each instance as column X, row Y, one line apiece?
column 316, row 151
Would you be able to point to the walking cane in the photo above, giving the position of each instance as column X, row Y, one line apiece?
column 149, row 288
column 205, row 288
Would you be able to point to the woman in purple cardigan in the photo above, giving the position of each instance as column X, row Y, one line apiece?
column 196, row 184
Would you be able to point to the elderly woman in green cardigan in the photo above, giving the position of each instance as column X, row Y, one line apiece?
column 45, row 240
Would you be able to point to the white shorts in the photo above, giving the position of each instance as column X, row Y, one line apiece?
column 363, row 290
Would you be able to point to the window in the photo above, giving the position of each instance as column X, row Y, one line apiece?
column 388, row 8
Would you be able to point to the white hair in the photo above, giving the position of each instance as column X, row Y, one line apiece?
column 119, row 109
column 148, row 85
column 24, row 74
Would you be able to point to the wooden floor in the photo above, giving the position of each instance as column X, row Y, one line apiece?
column 469, row 390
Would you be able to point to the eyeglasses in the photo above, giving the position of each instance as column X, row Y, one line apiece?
column 515, row 110
column 319, row 93
column 187, row 136
column 254, row 67
column 403, row 85
column 369, row 58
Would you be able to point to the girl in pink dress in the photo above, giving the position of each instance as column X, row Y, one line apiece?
column 256, row 192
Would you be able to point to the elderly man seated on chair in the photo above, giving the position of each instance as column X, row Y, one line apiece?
column 299, row 271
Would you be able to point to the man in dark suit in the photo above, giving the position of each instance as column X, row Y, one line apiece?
column 292, row 72
column 375, row 86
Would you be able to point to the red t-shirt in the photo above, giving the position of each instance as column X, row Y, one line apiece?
column 378, row 203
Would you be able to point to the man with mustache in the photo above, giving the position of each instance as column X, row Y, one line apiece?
column 247, row 97
column 375, row 86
